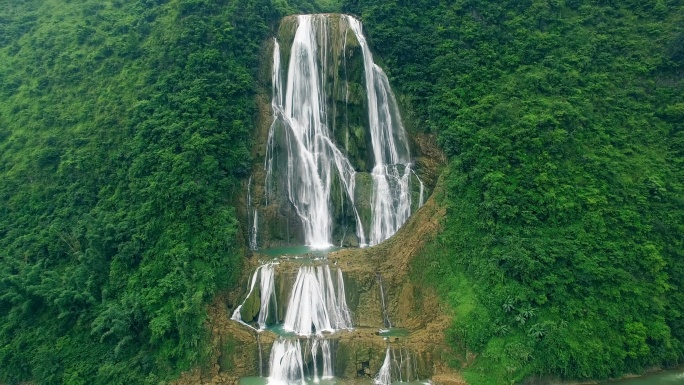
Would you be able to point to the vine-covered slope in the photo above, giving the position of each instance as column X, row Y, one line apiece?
column 562, row 252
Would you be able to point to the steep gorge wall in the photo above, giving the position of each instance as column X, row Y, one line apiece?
column 238, row 350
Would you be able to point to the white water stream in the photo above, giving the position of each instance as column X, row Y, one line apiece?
column 313, row 160
column 315, row 306
column 391, row 196
column 398, row 365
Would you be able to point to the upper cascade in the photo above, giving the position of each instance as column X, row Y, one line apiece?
column 337, row 150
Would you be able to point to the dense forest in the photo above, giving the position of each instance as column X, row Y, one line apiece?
column 563, row 250
column 125, row 134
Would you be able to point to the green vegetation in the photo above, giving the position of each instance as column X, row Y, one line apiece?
column 124, row 136
column 563, row 250
column 125, row 131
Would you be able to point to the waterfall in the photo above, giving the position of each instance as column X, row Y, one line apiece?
column 255, row 217
column 293, row 363
column 421, row 193
column 315, row 306
column 302, row 115
column 327, row 360
column 385, row 312
column 399, row 367
column 391, row 199
column 300, row 129
column 265, row 273
column 255, row 229
column 286, row 362
column 345, row 314
column 384, row 376
column 267, row 295
column 421, row 200
column 313, row 173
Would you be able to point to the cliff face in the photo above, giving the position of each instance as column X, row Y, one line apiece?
column 380, row 291
column 271, row 217
column 417, row 315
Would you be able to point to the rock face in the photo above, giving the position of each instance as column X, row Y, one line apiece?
column 377, row 279
column 359, row 353
column 345, row 118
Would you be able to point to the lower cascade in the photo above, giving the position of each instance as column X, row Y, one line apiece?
column 288, row 359
column 399, row 364
column 316, row 307
column 303, row 303
column 347, row 179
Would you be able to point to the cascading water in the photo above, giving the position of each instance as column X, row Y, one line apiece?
column 315, row 306
column 255, row 218
column 421, row 192
column 300, row 112
column 286, row 363
column 385, row 312
column 290, row 362
column 384, row 376
column 391, row 199
column 255, row 230
column 313, row 161
column 317, row 177
column 398, row 365
column 265, row 273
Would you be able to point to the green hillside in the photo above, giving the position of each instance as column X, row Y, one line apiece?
column 563, row 251
column 125, row 136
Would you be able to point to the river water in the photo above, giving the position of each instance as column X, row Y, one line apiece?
column 669, row 377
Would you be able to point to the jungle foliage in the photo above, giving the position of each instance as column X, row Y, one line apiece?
column 124, row 136
column 563, row 249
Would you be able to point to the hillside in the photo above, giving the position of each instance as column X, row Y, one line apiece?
column 125, row 139
column 562, row 252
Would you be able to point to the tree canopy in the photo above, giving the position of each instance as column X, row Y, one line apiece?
column 125, row 134
column 562, row 251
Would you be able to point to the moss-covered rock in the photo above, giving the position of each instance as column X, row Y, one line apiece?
column 250, row 309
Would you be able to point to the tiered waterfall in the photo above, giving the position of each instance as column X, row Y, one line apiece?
column 337, row 157
column 320, row 141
